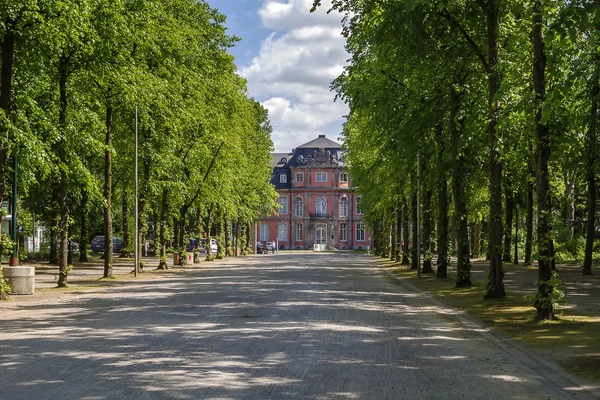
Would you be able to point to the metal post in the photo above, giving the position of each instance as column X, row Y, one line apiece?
column 14, row 260
column 418, row 238
column 137, row 237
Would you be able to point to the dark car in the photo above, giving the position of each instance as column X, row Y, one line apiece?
column 261, row 249
column 98, row 244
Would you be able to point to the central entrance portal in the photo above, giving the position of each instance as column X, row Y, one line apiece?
column 321, row 234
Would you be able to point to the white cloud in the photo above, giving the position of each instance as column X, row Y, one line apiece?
column 293, row 14
column 293, row 71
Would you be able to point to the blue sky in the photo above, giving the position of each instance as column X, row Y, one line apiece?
column 289, row 57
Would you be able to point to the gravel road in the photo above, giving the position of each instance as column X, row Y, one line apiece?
column 283, row 326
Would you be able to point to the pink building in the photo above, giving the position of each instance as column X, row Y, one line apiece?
column 316, row 202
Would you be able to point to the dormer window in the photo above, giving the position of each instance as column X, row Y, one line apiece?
column 283, row 178
column 283, row 161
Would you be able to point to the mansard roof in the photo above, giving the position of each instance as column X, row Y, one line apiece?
column 278, row 157
column 321, row 143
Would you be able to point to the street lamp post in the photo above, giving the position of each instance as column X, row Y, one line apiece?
column 137, row 234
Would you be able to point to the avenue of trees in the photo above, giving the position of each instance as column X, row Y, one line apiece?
column 75, row 73
column 485, row 112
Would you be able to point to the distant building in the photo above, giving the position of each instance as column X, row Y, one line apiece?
column 316, row 203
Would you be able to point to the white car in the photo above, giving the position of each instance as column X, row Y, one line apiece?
column 213, row 246
column 271, row 246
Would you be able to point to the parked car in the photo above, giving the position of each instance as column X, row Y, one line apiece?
column 271, row 246
column 261, row 249
column 213, row 246
column 98, row 244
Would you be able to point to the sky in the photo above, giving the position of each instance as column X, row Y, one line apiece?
column 289, row 58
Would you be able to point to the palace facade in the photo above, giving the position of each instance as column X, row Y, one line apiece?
column 316, row 203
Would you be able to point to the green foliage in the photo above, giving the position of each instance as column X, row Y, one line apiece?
column 552, row 295
column 5, row 289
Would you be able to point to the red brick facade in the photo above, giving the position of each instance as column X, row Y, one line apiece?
column 317, row 205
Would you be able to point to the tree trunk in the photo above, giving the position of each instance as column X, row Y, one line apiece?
column 393, row 230
column 398, row 255
column 591, row 173
column 442, row 245
column 516, row 258
column 125, row 220
column 570, row 200
column 8, row 51
column 108, row 228
column 161, row 232
column 496, row 273
column 209, row 253
column 477, row 240
column 461, row 226
column 405, row 259
column 83, row 237
column 62, row 187
column 529, row 225
column 415, row 256
column 543, row 301
column 427, row 269
column 509, row 209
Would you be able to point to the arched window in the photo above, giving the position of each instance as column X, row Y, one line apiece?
column 299, row 207
column 321, row 206
column 283, row 178
column 344, row 207
column 282, row 232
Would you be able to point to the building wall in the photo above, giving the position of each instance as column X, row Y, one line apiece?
column 310, row 190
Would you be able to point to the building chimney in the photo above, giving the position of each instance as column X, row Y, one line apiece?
column 321, row 136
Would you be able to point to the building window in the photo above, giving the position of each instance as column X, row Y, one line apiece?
column 299, row 177
column 321, row 176
column 343, row 232
column 299, row 207
column 283, row 205
column 360, row 232
column 264, row 232
column 343, row 207
column 282, row 232
column 359, row 209
column 298, row 232
column 344, row 177
column 321, row 206
column 283, row 178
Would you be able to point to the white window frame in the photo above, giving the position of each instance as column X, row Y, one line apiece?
column 319, row 209
column 343, row 177
column 299, row 177
column 299, row 232
column 344, row 207
column 283, row 178
column 321, row 174
column 299, row 207
column 359, row 211
column 283, row 205
column 282, row 232
column 360, row 231
column 343, row 232
column 264, row 231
